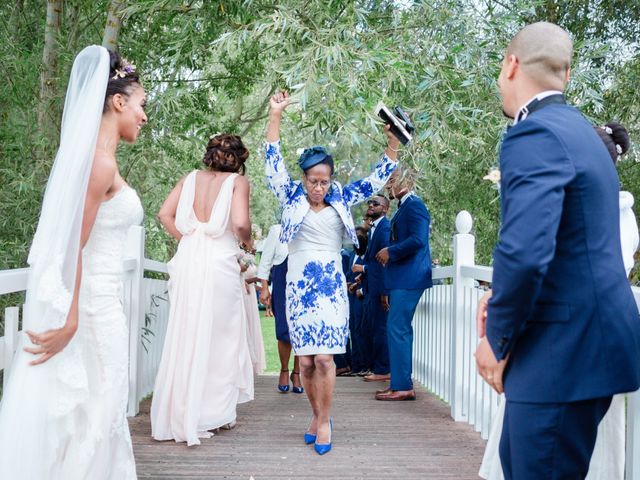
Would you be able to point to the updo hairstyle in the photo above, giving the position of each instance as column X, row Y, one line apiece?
column 615, row 138
column 122, row 78
column 226, row 153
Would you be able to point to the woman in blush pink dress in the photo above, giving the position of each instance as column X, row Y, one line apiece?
column 206, row 368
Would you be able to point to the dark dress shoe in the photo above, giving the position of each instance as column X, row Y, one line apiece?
column 396, row 395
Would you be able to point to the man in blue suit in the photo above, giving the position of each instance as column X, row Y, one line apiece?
column 407, row 262
column 561, row 325
column 356, row 358
column 376, row 295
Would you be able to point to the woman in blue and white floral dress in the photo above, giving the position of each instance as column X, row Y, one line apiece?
column 315, row 218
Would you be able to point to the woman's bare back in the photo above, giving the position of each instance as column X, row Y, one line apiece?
column 208, row 186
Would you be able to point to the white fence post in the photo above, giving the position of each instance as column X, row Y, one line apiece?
column 463, row 254
column 135, row 312
column 11, row 315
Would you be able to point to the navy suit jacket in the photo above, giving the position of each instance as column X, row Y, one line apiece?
column 347, row 263
column 562, row 306
column 374, row 283
column 409, row 265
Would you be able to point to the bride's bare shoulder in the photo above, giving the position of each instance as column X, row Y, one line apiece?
column 103, row 162
column 103, row 171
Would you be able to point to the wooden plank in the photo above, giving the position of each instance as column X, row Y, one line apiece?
column 372, row 439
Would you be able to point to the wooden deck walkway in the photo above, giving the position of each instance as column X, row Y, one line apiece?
column 371, row 440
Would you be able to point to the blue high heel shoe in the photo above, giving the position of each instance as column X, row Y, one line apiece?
column 322, row 448
column 283, row 388
column 309, row 438
column 295, row 389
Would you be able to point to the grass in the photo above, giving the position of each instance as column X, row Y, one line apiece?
column 271, row 345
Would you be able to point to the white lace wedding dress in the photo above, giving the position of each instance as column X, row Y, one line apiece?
column 66, row 419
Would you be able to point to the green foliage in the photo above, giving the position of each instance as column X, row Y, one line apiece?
column 210, row 67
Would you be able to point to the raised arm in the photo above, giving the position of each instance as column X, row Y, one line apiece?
column 360, row 190
column 275, row 170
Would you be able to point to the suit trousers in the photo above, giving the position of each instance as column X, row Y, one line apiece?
column 400, row 336
column 380, row 346
column 363, row 338
column 553, row 441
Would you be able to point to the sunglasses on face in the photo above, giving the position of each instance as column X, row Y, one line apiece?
column 373, row 203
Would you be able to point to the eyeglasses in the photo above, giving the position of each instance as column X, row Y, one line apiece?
column 373, row 203
column 315, row 183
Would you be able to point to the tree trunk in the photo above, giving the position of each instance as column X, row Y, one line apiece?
column 49, row 68
column 114, row 22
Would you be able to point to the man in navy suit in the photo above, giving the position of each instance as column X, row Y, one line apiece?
column 561, row 324
column 376, row 295
column 360, row 350
column 407, row 262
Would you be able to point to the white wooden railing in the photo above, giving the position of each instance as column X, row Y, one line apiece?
column 445, row 338
column 146, row 307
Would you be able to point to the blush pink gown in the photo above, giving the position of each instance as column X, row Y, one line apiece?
column 206, row 369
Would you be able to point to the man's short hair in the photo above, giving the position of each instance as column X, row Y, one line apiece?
column 404, row 177
column 544, row 51
column 384, row 199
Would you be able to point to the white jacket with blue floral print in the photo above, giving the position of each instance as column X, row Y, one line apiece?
column 293, row 198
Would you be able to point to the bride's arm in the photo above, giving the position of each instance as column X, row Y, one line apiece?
column 167, row 213
column 54, row 341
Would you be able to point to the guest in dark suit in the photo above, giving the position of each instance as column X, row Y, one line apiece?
column 407, row 260
column 359, row 356
column 343, row 360
column 377, row 300
column 562, row 317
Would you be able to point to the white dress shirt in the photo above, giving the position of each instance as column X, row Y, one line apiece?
column 273, row 253
column 405, row 197
column 523, row 113
column 374, row 224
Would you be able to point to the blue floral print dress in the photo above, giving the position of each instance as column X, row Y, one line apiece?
column 317, row 304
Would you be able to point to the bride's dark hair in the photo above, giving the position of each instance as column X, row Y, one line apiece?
column 615, row 138
column 122, row 78
column 226, row 153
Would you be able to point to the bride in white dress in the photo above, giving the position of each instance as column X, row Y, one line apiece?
column 63, row 414
column 206, row 369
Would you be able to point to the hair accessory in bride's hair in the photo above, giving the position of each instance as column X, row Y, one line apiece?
column 619, row 150
column 608, row 129
column 126, row 68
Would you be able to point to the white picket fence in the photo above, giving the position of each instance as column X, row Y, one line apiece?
column 444, row 340
column 145, row 305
